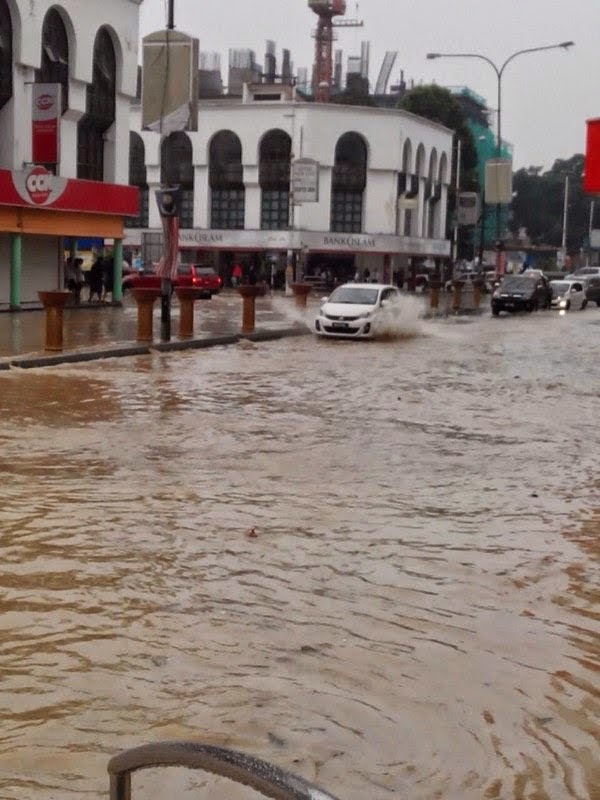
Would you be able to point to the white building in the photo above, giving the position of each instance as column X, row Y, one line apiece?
column 380, row 197
column 90, row 50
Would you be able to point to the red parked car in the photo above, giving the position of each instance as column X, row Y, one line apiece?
column 201, row 277
column 196, row 275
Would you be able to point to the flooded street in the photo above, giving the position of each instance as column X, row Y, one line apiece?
column 372, row 563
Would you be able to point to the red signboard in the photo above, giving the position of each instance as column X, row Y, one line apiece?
column 37, row 188
column 591, row 169
column 45, row 123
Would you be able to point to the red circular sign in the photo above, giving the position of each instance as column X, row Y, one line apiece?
column 39, row 185
column 44, row 102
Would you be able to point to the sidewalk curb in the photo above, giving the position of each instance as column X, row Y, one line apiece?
column 74, row 357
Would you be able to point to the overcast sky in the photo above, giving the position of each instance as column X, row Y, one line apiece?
column 546, row 97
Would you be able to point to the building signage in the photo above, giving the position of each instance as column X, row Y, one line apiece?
column 350, row 242
column 305, row 180
column 190, row 238
column 498, row 181
column 412, row 246
column 36, row 187
column 468, row 208
column 591, row 167
column 200, row 239
column 46, row 112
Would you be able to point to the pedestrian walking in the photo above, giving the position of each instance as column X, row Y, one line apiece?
column 96, row 281
column 236, row 274
column 107, row 277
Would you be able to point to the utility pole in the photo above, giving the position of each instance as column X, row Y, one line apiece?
column 564, row 223
column 457, row 192
column 590, row 229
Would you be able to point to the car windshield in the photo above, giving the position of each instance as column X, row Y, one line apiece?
column 204, row 271
column 560, row 288
column 515, row 284
column 354, row 294
column 587, row 271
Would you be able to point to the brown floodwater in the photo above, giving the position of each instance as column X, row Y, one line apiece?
column 416, row 615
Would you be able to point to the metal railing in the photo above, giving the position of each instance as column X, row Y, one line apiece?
column 238, row 767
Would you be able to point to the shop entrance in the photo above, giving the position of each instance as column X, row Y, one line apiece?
column 330, row 269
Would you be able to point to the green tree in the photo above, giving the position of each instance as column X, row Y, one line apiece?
column 538, row 204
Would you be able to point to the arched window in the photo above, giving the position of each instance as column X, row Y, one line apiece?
column 137, row 177
column 177, row 169
column 432, row 194
column 408, row 188
column 100, row 110
column 348, row 183
column 226, row 179
column 55, row 55
column 274, row 179
column 6, row 54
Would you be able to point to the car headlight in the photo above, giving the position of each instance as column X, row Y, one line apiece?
column 365, row 315
column 562, row 304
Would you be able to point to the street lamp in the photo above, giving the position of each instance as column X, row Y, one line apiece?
column 499, row 73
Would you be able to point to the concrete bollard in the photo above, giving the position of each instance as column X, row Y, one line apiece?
column 477, row 287
column 249, row 293
column 301, row 292
column 434, row 294
column 457, row 295
column 187, row 295
column 145, row 299
column 54, row 302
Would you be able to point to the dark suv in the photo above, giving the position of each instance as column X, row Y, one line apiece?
column 526, row 292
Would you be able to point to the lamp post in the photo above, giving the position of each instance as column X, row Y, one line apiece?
column 499, row 70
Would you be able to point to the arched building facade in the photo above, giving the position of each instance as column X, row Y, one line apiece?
column 377, row 197
column 79, row 188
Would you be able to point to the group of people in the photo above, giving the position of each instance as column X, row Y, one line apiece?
column 99, row 278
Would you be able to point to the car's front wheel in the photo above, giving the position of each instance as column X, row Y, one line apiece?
column 583, row 305
column 495, row 311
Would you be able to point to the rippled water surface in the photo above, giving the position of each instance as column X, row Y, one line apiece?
column 375, row 564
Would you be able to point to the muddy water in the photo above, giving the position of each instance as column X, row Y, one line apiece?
column 375, row 564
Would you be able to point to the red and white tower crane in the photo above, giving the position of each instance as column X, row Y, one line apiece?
column 326, row 10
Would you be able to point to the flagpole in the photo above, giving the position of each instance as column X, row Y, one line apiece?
column 165, row 282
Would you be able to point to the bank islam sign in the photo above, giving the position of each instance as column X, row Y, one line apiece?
column 190, row 238
column 374, row 243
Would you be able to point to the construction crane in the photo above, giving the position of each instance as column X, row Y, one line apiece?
column 326, row 10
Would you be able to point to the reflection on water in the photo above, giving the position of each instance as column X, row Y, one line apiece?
column 416, row 616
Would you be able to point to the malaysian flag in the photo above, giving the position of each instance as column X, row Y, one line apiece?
column 169, row 261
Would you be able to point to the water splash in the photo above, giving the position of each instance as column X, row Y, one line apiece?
column 401, row 319
column 287, row 308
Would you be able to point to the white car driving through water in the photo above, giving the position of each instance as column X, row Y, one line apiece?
column 568, row 294
column 350, row 310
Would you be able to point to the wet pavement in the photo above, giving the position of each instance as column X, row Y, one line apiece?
column 106, row 325
column 372, row 563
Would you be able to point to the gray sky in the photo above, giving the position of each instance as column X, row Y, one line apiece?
column 546, row 97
